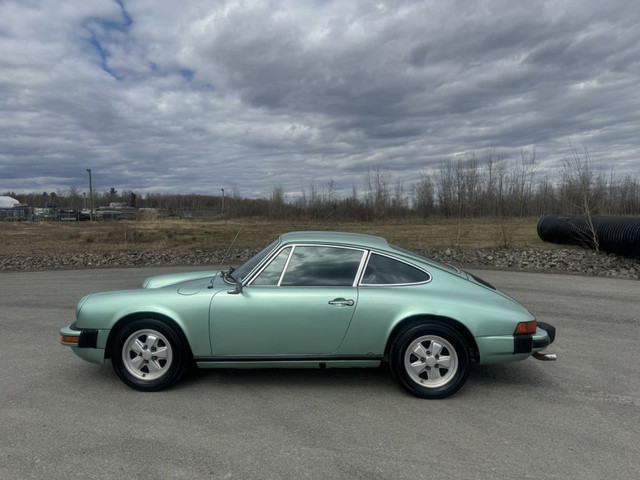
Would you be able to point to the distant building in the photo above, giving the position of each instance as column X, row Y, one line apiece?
column 8, row 202
column 116, row 211
column 11, row 209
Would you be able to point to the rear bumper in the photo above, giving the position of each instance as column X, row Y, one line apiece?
column 536, row 342
column 550, row 329
column 507, row 348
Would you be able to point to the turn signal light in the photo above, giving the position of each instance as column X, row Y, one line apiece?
column 525, row 328
column 69, row 338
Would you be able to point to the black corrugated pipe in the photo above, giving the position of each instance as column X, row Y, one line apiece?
column 613, row 234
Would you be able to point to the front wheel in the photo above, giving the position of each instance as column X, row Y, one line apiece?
column 149, row 355
column 430, row 361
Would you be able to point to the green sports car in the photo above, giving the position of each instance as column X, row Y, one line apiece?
column 314, row 300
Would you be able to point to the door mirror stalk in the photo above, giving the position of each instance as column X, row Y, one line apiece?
column 236, row 290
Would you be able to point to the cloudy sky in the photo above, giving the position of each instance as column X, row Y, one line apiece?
column 196, row 95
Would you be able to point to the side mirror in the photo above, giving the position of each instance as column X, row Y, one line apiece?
column 236, row 290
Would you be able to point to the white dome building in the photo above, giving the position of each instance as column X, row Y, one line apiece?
column 8, row 202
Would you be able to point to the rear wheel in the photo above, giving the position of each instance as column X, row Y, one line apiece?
column 149, row 355
column 430, row 361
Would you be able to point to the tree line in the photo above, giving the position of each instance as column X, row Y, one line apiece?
column 462, row 187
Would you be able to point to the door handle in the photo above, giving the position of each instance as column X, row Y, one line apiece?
column 342, row 301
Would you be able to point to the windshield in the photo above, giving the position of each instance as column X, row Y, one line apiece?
column 243, row 270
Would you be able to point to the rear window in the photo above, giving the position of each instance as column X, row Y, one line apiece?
column 443, row 266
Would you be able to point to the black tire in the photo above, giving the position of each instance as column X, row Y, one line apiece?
column 440, row 360
column 149, row 355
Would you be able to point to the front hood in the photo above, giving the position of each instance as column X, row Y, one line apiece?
column 159, row 281
column 191, row 287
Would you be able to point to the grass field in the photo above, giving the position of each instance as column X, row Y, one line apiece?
column 430, row 234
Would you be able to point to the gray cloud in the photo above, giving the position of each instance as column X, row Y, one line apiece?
column 166, row 97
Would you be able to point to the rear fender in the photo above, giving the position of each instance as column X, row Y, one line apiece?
column 432, row 319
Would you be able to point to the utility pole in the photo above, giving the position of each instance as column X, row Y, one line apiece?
column 90, row 196
column 223, row 201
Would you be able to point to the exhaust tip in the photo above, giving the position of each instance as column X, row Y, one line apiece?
column 545, row 357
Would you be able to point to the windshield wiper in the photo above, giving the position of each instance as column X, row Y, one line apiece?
column 228, row 275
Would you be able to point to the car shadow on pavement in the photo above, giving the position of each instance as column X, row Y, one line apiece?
column 514, row 376
column 290, row 377
column 528, row 374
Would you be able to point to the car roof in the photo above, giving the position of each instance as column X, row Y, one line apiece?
column 341, row 238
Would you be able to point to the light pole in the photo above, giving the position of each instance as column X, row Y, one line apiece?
column 223, row 201
column 90, row 196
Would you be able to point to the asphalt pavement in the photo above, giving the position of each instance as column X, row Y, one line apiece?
column 577, row 418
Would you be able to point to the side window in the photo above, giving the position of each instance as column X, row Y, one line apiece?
column 272, row 272
column 322, row 266
column 383, row 270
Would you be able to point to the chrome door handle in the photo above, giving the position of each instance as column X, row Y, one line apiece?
column 342, row 301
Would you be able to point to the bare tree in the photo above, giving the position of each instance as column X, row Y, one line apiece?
column 468, row 186
column 423, row 195
column 377, row 195
column 524, row 182
column 445, row 188
column 276, row 202
column 579, row 180
column 73, row 199
column 626, row 196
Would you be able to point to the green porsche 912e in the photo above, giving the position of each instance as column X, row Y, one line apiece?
column 315, row 300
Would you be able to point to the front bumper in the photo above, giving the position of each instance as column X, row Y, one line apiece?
column 88, row 344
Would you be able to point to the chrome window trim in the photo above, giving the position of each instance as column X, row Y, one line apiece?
column 267, row 263
column 361, row 268
column 286, row 265
column 262, row 264
column 371, row 252
column 454, row 267
column 364, row 256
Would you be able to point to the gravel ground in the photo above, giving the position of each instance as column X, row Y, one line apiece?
column 574, row 260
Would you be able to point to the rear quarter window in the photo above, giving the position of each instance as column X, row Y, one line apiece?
column 383, row 270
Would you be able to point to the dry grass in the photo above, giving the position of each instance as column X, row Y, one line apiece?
column 58, row 237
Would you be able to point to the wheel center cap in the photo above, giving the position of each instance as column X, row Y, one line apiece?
column 146, row 355
column 431, row 361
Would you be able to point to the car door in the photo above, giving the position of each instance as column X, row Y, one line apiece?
column 301, row 303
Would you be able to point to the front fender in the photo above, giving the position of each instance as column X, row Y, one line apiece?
column 106, row 311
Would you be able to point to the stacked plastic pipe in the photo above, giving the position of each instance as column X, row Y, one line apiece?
column 612, row 234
